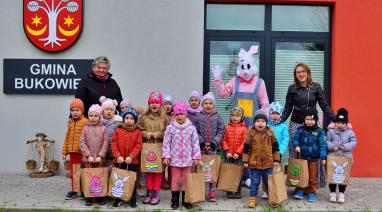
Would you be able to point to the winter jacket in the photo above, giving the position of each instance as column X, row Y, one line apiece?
column 261, row 149
column 181, row 144
column 338, row 138
column 110, row 125
column 192, row 116
column 210, row 127
column 127, row 142
column 301, row 98
column 282, row 135
column 152, row 122
column 312, row 143
column 73, row 134
column 90, row 89
column 234, row 138
column 93, row 141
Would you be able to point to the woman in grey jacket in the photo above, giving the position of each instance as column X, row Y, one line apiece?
column 341, row 140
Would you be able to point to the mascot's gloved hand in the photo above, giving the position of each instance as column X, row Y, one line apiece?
column 216, row 71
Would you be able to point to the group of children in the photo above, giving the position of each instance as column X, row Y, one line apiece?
column 189, row 131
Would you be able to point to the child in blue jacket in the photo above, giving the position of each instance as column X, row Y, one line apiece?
column 310, row 142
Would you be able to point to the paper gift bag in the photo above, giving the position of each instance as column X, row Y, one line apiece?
column 209, row 165
column 195, row 188
column 121, row 183
column 277, row 191
column 77, row 178
column 94, row 181
column 339, row 169
column 151, row 158
column 298, row 173
column 229, row 177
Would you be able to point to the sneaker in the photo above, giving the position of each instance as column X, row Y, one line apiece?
column 333, row 197
column 155, row 198
column 230, row 195
column 299, row 194
column 117, row 203
column 211, row 196
column 247, row 183
column 265, row 195
column 88, row 202
column 71, row 195
column 341, row 198
column 311, row 197
column 148, row 197
column 141, row 193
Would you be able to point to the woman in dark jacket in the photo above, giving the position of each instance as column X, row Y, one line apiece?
column 98, row 83
column 302, row 95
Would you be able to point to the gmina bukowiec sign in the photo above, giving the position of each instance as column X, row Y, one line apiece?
column 43, row 76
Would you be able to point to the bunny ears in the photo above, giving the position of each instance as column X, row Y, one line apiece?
column 108, row 103
column 251, row 51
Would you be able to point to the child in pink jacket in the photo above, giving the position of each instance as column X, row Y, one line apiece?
column 180, row 151
column 94, row 144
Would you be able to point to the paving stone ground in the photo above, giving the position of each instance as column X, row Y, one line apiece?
column 21, row 192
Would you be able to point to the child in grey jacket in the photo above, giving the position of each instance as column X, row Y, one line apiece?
column 341, row 140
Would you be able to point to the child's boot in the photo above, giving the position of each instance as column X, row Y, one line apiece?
column 341, row 198
column 237, row 194
column 230, row 195
column 71, row 195
column 251, row 202
column 265, row 195
column 211, row 196
column 175, row 199
column 117, row 203
column 184, row 203
column 333, row 197
column 88, row 201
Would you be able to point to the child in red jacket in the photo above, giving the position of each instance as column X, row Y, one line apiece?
column 233, row 142
column 126, row 145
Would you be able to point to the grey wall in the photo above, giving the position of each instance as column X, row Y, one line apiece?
column 151, row 44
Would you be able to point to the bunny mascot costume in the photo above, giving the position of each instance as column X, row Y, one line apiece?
column 247, row 89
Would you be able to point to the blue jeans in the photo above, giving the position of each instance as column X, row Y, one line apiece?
column 257, row 174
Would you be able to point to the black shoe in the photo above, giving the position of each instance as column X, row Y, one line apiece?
column 71, row 195
column 237, row 195
column 117, row 203
column 133, row 204
column 230, row 195
column 175, row 199
column 101, row 201
column 186, row 205
column 88, row 202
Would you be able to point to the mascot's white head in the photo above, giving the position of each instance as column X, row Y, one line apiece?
column 247, row 67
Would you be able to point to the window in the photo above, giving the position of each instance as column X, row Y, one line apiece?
column 286, row 34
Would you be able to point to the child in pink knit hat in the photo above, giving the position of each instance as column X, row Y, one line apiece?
column 94, row 145
column 180, row 151
column 153, row 123
column 109, row 120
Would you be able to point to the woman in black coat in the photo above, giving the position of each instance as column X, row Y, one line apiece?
column 302, row 95
column 98, row 83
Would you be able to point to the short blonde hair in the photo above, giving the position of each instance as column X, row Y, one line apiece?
column 101, row 59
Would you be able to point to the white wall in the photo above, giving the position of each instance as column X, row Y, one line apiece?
column 151, row 44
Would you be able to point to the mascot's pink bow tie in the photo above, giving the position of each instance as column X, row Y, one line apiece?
column 241, row 79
